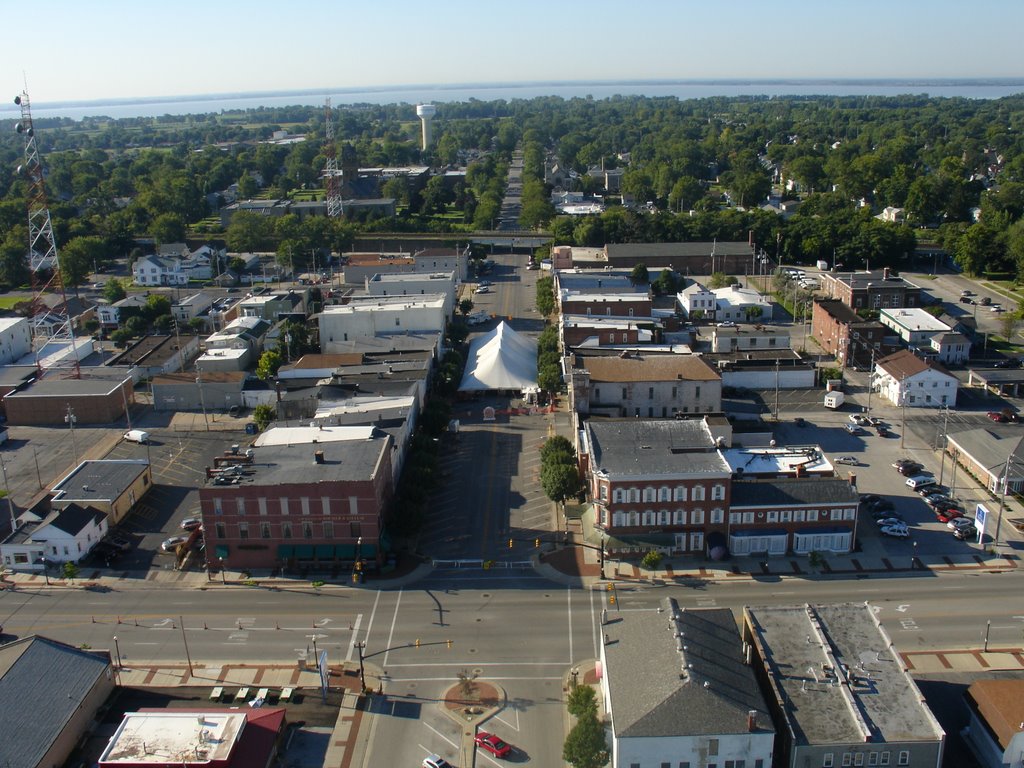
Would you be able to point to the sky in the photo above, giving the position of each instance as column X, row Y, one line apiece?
column 69, row 50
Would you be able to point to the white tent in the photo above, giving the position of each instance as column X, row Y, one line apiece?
column 501, row 359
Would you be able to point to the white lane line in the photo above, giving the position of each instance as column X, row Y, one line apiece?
column 506, row 722
column 352, row 639
column 391, row 634
column 441, row 735
column 369, row 625
column 568, row 605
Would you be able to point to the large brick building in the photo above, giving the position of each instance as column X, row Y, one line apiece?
column 313, row 497
column 871, row 290
column 843, row 333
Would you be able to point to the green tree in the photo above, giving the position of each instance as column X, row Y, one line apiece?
column 665, row 283
column 585, row 746
column 549, row 378
column 263, row 414
column 639, row 274
column 651, row 560
column 157, row 304
column 545, row 296
column 168, row 228
column 557, row 449
column 560, row 481
column 269, row 362
column 114, row 290
column 465, row 307
column 247, row 187
column 582, row 700
column 249, row 232
column 69, row 570
column 77, row 260
column 721, row 280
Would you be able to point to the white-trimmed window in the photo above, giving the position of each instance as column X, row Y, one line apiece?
column 718, row 492
column 812, row 515
column 679, row 517
column 785, row 516
column 717, row 515
column 634, row 495
column 773, row 516
column 634, row 519
column 649, row 494
column 826, row 760
column 799, row 515
column 837, row 514
column 904, row 758
column 664, row 493
column 618, row 496
column 696, row 541
column 697, row 517
column 680, row 493
column 849, row 514
column 698, row 493
column 648, row 517
column 748, row 518
column 619, row 519
column 735, row 518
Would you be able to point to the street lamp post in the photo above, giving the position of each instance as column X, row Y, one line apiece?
column 602, row 556
column 362, row 672
column 70, row 420
column 223, row 579
column 202, row 400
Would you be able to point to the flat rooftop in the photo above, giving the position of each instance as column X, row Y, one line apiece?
column 179, row 738
column 915, row 319
column 409, row 277
column 839, row 676
column 286, row 455
column 777, row 461
column 101, row 480
column 654, row 447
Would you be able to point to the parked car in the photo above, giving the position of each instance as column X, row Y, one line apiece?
column 492, row 744
column 191, row 523
column 876, row 422
column 909, row 470
column 436, row 761
column 928, row 488
column 917, row 481
column 1010, row 362
column 996, row 308
column 137, row 436
column 891, row 520
column 883, row 505
column 853, row 429
column 860, row 420
column 483, row 289
column 960, row 522
column 937, row 498
column 945, row 515
column 902, row 462
column 985, row 301
column 851, row 460
column 996, row 416
column 727, row 324
column 171, row 544
column 966, row 533
column 896, row 531
column 883, row 431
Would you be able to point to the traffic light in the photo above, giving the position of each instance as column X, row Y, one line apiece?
column 417, row 642
column 536, row 543
column 611, row 599
column 608, row 586
column 449, row 643
column 510, row 543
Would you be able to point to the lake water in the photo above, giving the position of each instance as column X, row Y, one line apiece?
column 438, row 94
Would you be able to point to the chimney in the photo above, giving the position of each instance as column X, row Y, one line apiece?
column 751, row 720
column 885, row 273
column 318, row 457
column 853, row 479
column 799, row 470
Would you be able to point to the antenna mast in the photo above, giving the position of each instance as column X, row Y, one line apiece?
column 331, row 173
column 44, row 266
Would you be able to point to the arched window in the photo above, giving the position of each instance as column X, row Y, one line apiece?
column 679, row 517
column 663, row 517
column 648, row 494
column 648, row 517
column 664, row 493
column 680, row 493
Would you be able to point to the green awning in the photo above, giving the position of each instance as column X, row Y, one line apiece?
column 304, row 551
column 345, row 551
column 285, row 551
column 324, row 551
column 221, row 551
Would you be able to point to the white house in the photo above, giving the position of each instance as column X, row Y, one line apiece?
column 15, row 339
column 951, row 348
column 678, row 691
column 158, row 270
column 370, row 316
column 191, row 307
column 905, row 379
column 200, row 263
column 741, row 304
column 64, row 535
column 695, row 297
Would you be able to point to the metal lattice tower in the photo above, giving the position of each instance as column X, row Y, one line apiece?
column 44, row 265
column 331, row 174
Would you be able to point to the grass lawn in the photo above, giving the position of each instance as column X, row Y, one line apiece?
column 8, row 302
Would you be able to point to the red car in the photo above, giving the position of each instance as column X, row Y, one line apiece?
column 996, row 416
column 945, row 515
column 492, row 744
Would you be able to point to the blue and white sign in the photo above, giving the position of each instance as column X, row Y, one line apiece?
column 980, row 517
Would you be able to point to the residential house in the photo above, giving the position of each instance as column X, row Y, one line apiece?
column 904, row 379
column 640, row 384
column 678, row 691
column 64, row 535
column 51, row 697
column 273, row 306
column 871, row 290
column 189, row 308
column 951, row 348
column 892, row 215
column 838, row 691
column 157, row 270
column 433, row 261
column 315, row 496
column 696, row 298
column 113, row 315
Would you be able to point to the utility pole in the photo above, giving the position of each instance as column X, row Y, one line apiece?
column 70, row 419
column 944, row 443
column 903, row 411
column 776, row 390
column 202, row 400
column 188, row 657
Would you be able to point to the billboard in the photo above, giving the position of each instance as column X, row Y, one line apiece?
column 980, row 519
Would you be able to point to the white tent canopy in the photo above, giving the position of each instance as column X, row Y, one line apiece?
column 501, row 359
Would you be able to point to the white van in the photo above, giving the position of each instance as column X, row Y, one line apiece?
column 918, row 481
column 137, row 436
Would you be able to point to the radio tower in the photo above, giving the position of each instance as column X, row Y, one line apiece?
column 44, row 267
column 331, row 173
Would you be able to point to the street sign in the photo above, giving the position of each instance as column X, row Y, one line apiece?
column 980, row 517
column 321, row 665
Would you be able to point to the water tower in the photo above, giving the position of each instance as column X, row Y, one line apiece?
column 426, row 112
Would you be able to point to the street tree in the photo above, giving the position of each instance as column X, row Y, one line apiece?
column 585, row 746
column 639, row 274
column 69, row 570
column 263, row 414
column 582, row 700
column 466, row 306
column 114, row 291
column 560, row 481
column 557, row 449
column 269, row 362
column 156, row 305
